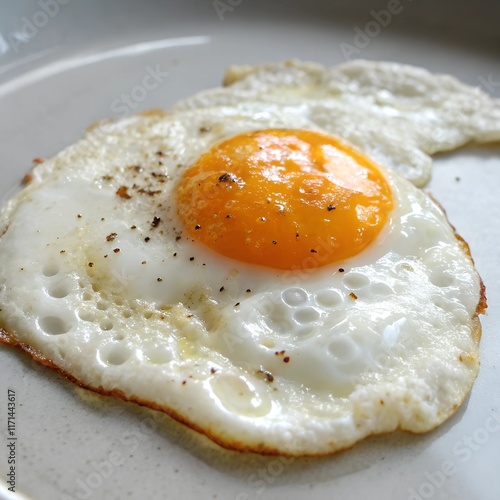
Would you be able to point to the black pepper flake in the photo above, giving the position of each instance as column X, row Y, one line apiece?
column 62, row 251
column 102, row 219
column 330, row 208
column 191, row 259
column 79, row 216
column 136, row 168
column 177, row 238
column 267, row 374
column 197, row 227
column 248, row 290
column 205, row 129
column 227, row 177
column 156, row 221
column 111, row 237
column 106, row 256
column 159, row 279
column 184, row 382
column 175, row 254
column 133, row 227
column 237, row 304
column 116, row 250
column 149, row 192
column 221, row 289
column 286, row 359
column 143, row 262
column 159, row 175
column 313, row 250
column 91, row 264
column 274, row 242
column 341, row 269
column 147, row 238
column 353, row 296
column 212, row 370
column 296, row 236
column 228, row 216
column 279, row 353
column 160, row 153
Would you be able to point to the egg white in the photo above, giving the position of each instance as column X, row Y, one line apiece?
column 299, row 362
column 397, row 114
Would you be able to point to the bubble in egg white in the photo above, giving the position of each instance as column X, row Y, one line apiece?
column 53, row 325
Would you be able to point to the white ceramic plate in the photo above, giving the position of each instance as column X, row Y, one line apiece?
column 65, row 64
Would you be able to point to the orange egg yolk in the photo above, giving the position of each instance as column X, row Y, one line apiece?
column 286, row 199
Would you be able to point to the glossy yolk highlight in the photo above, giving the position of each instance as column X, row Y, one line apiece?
column 286, row 199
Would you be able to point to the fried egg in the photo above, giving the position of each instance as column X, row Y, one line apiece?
column 247, row 272
column 397, row 114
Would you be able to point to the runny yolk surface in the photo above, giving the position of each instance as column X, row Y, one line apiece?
column 286, row 199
